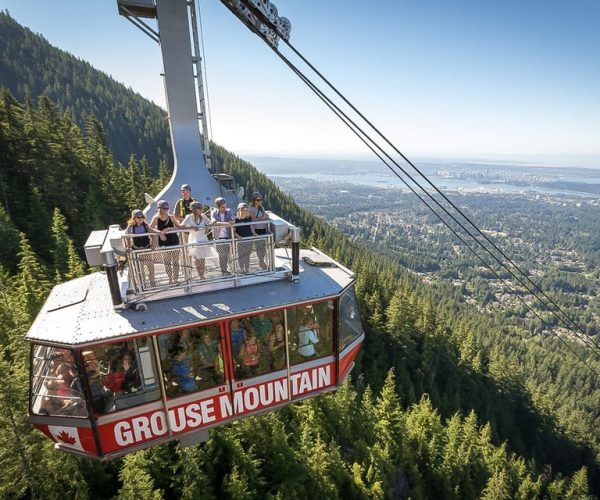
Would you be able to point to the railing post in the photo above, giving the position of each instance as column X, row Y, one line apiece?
column 110, row 265
column 295, row 253
column 233, row 252
column 186, row 262
column 270, row 241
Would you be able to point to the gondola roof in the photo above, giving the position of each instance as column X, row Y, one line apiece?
column 80, row 311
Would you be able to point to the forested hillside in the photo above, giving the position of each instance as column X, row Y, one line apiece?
column 444, row 402
column 30, row 67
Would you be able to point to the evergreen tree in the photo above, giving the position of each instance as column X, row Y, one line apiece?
column 137, row 482
column 60, row 243
column 134, row 188
column 32, row 283
column 190, row 479
column 9, row 241
column 75, row 266
column 498, row 487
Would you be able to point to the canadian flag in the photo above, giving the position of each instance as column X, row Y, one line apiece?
column 67, row 436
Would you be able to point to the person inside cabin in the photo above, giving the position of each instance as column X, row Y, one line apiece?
column 262, row 326
column 63, row 390
column 307, row 335
column 199, row 224
column 238, row 330
column 223, row 219
column 257, row 212
column 60, row 394
column 276, row 347
column 183, row 206
column 244, row 248
column 137, row 225
column 59, row 359
column 102, row 397
column 209, row 364
column 123, row 376
column 167, row 224
column 182, row 363
column 132, row 382
column 249, row 355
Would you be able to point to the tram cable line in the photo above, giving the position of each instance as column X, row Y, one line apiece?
column 313, row 68
column 357, row 131
column 458, row 235
column 350, row 124
column 567, row 322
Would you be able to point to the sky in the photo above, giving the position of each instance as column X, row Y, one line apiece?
column 455, row 79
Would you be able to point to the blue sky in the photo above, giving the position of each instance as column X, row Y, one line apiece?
column 510, row 79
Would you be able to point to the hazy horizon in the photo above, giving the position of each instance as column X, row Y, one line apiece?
column 446, row 80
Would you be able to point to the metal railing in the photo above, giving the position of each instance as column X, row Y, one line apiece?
column 190, row 263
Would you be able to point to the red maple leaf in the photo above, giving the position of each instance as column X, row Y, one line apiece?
column 66, row 438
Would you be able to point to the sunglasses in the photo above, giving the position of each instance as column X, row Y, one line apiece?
column 163, row 208
column 139, row 217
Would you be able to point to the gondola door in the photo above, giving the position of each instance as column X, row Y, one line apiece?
column 259, row 362
column 311, row 348
column 196, row 377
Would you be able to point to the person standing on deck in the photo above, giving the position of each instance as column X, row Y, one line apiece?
column 223, row 218
column 183, row 205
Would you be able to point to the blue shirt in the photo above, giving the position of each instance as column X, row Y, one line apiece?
column 227, row 216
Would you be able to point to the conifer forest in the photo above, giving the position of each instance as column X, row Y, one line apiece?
column 444, row 402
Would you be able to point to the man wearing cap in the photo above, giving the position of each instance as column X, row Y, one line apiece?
column 223, row 218
column 182, row 207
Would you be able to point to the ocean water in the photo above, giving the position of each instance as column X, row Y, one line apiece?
column 449, row 183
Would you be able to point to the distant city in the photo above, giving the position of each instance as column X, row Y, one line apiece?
column 463, row 176
column 544, row 217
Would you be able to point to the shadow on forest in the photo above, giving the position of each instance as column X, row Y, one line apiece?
column 453, row 387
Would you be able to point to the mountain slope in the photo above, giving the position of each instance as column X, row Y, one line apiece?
column 31, row 67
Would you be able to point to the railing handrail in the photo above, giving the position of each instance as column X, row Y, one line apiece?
column 212, row 227
column 159, row 249
column 144, row 279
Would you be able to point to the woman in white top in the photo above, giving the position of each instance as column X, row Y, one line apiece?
column 200, row 226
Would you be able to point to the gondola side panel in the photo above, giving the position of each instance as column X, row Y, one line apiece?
column 78, row 439
column 348, row 356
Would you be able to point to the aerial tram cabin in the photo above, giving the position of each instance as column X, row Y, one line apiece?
column 149, row 350
column 106, row 381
